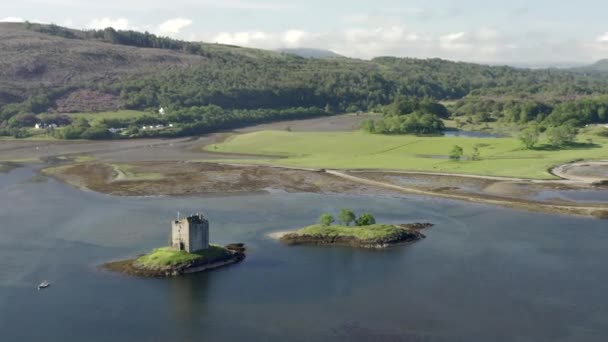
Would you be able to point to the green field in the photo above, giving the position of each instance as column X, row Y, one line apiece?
column 376, row 231
column 166, row 256
column 359, row 150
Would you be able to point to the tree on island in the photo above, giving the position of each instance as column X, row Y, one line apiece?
column 366, row 219
column 529, row 137
column 326, row 220
column 347, row 216
column 456, row 153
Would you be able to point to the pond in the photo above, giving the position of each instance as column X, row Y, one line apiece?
column 470, row 134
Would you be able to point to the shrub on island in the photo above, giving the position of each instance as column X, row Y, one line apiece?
column 347, row 216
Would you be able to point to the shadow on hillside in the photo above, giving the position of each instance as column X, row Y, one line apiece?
column 571, row 146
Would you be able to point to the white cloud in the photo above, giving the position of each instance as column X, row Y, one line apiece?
column 603, row 38
column 255, row 38
column 174, row 26
column 453, row 41
column 482, row 45
column 294, row 37
column 12, row 20
column 102, row 23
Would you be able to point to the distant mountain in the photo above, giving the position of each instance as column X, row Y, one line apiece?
column 599, row 66
column 311, row 53
column 47, row 68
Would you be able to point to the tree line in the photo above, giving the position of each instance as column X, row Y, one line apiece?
column 251, row 86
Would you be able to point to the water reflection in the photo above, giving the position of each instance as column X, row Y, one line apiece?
column 188, row 298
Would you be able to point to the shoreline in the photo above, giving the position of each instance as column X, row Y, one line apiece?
column 213, row 179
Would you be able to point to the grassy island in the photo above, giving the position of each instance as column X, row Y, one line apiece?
column 366, row 233
column 376, row 231
column 169, row 257
column 167, row 261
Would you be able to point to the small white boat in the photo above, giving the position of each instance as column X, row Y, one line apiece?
column 44, row 285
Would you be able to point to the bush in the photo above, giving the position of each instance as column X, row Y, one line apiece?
column 456, row 153
column 326, row 220
column 562, row 135
column 365, row 220
column 347, row 216
column 529, row 137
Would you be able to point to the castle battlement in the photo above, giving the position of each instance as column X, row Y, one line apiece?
column 190, row 234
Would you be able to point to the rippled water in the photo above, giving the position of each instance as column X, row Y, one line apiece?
column 590, row 196
column 483, row 274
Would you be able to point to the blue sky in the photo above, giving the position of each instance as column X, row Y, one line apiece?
column 511, row 32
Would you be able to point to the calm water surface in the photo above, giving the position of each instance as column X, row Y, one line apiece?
column 483, row 274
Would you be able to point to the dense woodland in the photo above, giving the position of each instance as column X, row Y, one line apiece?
column 234, row 86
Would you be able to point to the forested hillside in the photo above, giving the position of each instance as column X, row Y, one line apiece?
column 50, row 69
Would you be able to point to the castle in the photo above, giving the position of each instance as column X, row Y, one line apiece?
column 190, row 234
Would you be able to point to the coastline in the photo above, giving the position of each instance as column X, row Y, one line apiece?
column 210, row 179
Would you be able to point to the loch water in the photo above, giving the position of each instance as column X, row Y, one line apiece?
column 484, row 273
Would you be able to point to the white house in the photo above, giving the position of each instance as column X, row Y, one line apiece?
column 38, row 126
column 161, row 111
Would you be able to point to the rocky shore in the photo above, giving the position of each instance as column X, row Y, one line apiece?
column 236, row 254
column 403, row 233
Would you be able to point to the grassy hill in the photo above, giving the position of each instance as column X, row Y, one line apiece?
column 41, row 65
column 51, row 69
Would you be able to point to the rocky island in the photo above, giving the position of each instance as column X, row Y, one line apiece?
column 168, row 262
column 366, row 233
column 190, row 252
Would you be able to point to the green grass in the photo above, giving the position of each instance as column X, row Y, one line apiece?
column 376, row 231
column 127, row 173
column 95, row 118
column 359, row 150
column 36, row 134
column 168, row 256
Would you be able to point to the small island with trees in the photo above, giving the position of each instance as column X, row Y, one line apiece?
column 353, row 231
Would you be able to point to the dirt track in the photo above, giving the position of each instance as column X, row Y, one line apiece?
column 585, row 172
column 520, row 204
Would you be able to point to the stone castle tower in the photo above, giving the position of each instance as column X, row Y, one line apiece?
column 190, row 234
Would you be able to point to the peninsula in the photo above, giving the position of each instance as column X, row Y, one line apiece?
column 365, row 233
